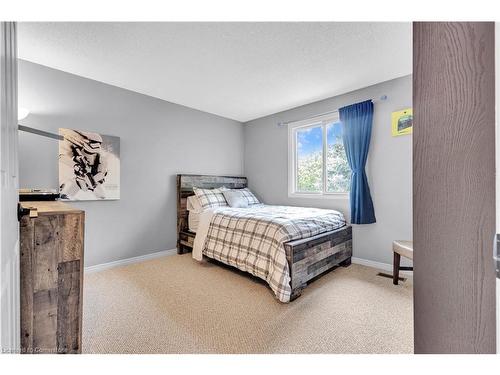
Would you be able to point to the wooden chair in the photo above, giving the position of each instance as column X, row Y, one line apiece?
column 401, row 248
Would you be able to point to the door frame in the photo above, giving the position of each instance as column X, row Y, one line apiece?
column 9, row 226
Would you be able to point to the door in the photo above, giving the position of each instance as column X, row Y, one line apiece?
column 454, row 187
column 9, row 228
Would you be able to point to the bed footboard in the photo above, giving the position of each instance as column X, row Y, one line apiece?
column 310, row 257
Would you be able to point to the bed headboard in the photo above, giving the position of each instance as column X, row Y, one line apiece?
column 185, row 185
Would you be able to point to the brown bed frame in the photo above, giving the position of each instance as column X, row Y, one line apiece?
column 307, row 258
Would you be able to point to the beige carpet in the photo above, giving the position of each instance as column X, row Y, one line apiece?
column 175, row 305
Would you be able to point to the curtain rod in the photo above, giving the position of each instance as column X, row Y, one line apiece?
column 284, row 123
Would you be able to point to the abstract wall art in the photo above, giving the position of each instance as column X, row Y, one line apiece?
column 89, row 166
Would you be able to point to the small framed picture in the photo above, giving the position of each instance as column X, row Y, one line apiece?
column 402, row 122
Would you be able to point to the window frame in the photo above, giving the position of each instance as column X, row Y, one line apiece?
column 322, row 121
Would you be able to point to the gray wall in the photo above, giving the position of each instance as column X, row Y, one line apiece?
column 158, row 140
column 389, row 166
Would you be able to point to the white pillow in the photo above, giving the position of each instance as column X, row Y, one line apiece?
column 193, row 204
column 235, row 198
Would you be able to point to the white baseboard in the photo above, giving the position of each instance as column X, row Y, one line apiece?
column 378, row 265
column 124, row 262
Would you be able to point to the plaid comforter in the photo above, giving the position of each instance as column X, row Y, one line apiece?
column 251, row 239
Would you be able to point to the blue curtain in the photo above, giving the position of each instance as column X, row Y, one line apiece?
column 356, row 122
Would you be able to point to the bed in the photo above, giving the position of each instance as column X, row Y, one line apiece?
column 325, row 243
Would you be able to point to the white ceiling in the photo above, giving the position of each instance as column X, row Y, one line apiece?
column 237, row 70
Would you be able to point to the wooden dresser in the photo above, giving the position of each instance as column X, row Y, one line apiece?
column 51, row 246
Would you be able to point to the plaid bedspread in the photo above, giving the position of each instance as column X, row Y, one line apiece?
column 251, row 239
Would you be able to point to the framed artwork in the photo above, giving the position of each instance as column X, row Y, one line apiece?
column 89, row 166
column 402, row 122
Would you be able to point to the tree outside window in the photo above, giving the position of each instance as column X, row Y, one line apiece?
column 320, row 162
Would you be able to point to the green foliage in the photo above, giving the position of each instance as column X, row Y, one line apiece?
column 338, row 171
column 310, row 171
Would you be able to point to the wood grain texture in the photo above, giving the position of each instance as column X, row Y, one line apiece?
column 45, row 321
column 51, row 207
column 454, row 187
column 68, row 309
column 70, row 236
column 26, row 244
column 51, row 280
column 44, row 257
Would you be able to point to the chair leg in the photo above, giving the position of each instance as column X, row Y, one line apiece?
column 395, row 268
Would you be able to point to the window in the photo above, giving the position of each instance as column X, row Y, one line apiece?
column 317, row 160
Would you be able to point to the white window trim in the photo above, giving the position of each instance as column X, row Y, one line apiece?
column 292, row 158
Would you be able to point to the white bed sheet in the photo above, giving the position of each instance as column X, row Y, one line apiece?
column 202, row 231
column 193, row 204
column 193, row 221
